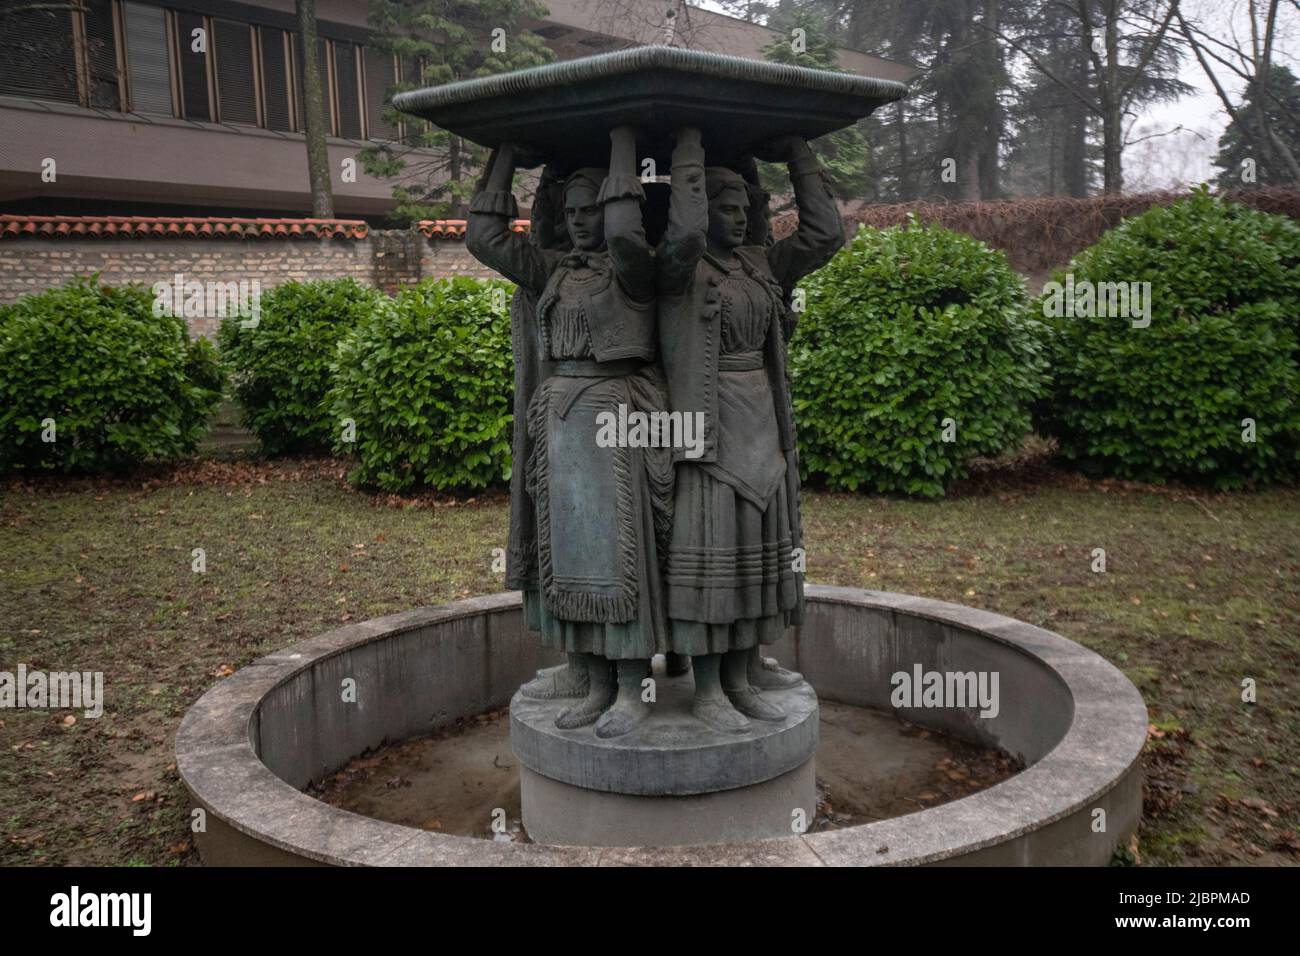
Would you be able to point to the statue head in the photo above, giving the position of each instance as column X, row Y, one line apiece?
column 728, row 207
column 583, row 214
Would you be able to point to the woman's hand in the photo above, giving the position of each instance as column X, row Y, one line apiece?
column 525, row 157
column 623, row 136
column 499, row 171
column 783, row 149
column 688, row 136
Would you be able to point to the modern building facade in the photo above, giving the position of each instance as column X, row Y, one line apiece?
column 195, row 107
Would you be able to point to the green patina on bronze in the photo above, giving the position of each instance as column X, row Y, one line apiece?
column 660, row 302
column 565, row 110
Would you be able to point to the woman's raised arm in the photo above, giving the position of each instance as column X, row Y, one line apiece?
column 685, row 239
column 820, row 233
column 622, row 196
column 488, row 235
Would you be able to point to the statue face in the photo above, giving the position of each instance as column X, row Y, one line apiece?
column 728, row 218
column 585, row 217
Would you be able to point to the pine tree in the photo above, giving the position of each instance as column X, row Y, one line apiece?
column 1132, row 60
column 954, row 119
column 803, row 40
column 442, row 41
column 1281, row 109
column 1056, row 150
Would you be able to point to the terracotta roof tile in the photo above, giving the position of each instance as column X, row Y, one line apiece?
column 213, row 227
column 178, row 227
column 455, row 228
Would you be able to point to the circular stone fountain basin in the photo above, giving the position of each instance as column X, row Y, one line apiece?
column 250, row 745
column 466, row 779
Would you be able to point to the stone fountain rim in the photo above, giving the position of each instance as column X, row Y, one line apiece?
column 1103, row 743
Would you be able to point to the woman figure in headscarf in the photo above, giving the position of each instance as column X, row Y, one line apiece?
column 602, row 514
column 734, row 583
column 548, row 231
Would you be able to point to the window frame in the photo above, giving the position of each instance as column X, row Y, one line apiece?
column 214, row 58
column 119, row 44
column 367, row 121
column 124, row 60
column 368, row 130
column 285, row 39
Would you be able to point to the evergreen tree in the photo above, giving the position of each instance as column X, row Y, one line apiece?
column 1281, row 109
column 1132, row 60
column 442, row 41
column 954, row 120
column 1056, row 150
column 803, row 40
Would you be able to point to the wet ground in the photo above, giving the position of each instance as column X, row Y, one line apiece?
column 870, row 766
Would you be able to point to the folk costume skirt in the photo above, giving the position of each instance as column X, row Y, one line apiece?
column 730, row 576
column 603, row 514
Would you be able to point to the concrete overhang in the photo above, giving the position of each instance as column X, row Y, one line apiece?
column 106, row 155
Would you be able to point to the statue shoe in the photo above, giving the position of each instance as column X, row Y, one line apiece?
column 621, row 718
column 751, row 704
column 772, row 676
column 555, row 683
column 586, row 711
column 720, row 715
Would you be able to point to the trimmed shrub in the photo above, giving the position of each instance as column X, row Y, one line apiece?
column 1176, row 399
column 425, row 383
column 281, row 368
column 913, row 357
column 114, row 385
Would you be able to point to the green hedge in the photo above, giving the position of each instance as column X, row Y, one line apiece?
column 121, row 385
column 1170, row 400
column 281, row 367
column 905, row 328
column 425, row 383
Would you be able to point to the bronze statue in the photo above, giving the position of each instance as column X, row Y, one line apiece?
column 602, row 514
column 674, row 304
column 732, row 583
column 595, row 526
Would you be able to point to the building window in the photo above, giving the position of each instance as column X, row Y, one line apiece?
column 236, row 78
column 193, row 42
column 148, row 63
column 103, row 79
column 326, row 83
column 347, row 89
column 412, row 73
column 276, row 54
column 137, row 57
column 381, row 76
column 49, row 52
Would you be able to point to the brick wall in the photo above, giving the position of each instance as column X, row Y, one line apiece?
column 386, row 259
column 444, row 258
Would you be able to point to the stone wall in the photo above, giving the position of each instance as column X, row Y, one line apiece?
column 444, row 258
column 386, row 259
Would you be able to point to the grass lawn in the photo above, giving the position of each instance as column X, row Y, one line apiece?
column 1200, row 592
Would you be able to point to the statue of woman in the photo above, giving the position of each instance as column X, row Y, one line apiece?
column 731, row 576
column 602, row 514
column 548, row 231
